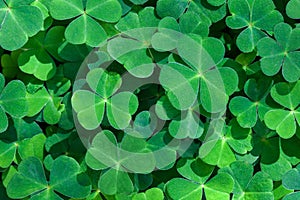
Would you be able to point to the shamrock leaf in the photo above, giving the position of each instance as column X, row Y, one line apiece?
column 212, row 99
column 219, row 187
column 24, row 184
column 255, row 17
column 86, row 14
column 247, row 186
column 291, row 9
column 247, row 110
column 18, row 19
column 132, row 51
column 216, row 149
column 214, row 87
column 285, row 121
column 21, row 142
column 281, row 53
column 132, row 154
column 12, row 101
column 90, row 105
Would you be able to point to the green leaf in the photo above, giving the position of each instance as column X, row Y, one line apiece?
column 246, row 185
column 7, row 154
column 253, row 16
column 281, row 53
column 183, row 95
column 245, row 110
column 291, row 9
column 120, row 108
column 170, row 8
column 37, row 101
column 282, row 121
column 290, row 180
column 89, row 108
column 134, row 51
column 22, row 20
column 71, row 184
column 278, row 169
column 219, row 186
column 108, row 11
column 219, row 153
column 32, row 147
column 286, row 94
column 115, row 181
column 179, row 188
column 71, row 9
column 188, row 127
column 75, row 34
column 29, row 179
column 151, row 194
column 38, row 64
column 97, row 78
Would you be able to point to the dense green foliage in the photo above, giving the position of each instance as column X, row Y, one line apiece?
column 220, row 120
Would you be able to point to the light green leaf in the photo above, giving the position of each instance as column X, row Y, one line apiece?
column 281, row 53
column 7, row 154
column 115, row 181
column 254, row 16
column 22, row 20
column 83, row 30
column 104, row 10
column 282, row 121
column 120, row 108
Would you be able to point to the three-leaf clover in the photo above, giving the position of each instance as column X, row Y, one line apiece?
column 195, row 183
column 19, row 21
column 30, row 180
column 90, row 105
column 216, row 149
column 281, row 53
column 254, row 17
column 12, row 101
column 203, row 75
column 285, row 121
column 85, row 28
column 131, row 155
column 247, row 186
column 247, row 110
